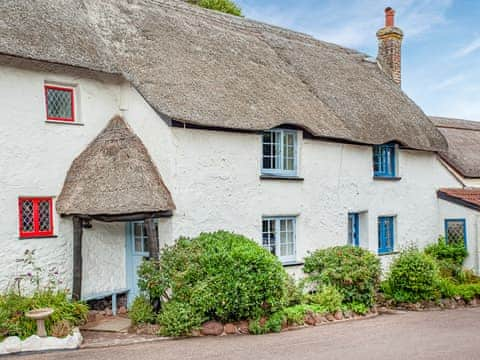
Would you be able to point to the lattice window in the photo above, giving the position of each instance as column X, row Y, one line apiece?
column 60, row 103
column 35, row 217
column 455, row 231
column 278, row 237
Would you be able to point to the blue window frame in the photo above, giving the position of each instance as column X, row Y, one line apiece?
column 386, row 234
column 279, row 152
column 384, row 162
column 353, row 229
column 456, row 231
column 278, row 237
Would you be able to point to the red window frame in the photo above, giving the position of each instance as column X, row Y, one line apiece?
column 36, row 217
column 71, row 91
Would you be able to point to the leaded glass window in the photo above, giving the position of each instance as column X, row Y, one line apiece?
column 35, row 217
column 455, row 231
column 60, row 103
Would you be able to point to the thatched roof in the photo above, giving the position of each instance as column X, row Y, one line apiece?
column 114, row 175
column 463, row 138
column 210, row 69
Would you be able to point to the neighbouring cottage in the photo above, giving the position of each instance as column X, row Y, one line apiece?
column 127, row 124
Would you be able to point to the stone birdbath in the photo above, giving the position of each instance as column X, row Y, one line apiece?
column 40, row 315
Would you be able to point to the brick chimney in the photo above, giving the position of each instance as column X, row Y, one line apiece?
column 390, row 46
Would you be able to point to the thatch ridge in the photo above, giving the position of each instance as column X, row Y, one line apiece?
column 114, row 175
column 463, row 138
column 214, row 70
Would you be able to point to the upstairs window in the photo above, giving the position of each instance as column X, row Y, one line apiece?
column 278, row 237
column 384, row 160
column 386, row 234
column 455, row 231
column 280, row 153
column 35, row 217
column 60, row 103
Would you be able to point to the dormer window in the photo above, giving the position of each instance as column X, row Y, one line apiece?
column 59, row 103
column 384, row 161
column 279, row 153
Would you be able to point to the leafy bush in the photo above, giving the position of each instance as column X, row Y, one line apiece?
column 294, row 292
column 454, row 253
column 141, row 311
column 413, row 277
column 226, row 6
column 179, row 319
column 358, row 308
column 217, row 276
column 328, row 298
column 354, row 271
column 14, row 306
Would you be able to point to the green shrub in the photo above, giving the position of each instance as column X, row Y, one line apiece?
column 14, row 306
column 275, row 321
column 179, row 319
column 358, row 308
column 413, row 277
column 220, row 276
column 454, row 253
column 328, row 298
column 226, row 6
column 294, row 292
column 446, row 288
column 354, row 271
column 141, row 311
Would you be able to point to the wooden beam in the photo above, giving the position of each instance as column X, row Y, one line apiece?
column 77, row 258
column 152, row 236
column 127, row 217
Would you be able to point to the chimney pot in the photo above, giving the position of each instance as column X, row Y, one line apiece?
column 390, row 47
column 389, row 17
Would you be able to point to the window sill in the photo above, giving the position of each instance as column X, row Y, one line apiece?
column 387, row 178
column 38, row 237
column 64, row 122
column 389, row 253
column 292, row 263
column 280, row 177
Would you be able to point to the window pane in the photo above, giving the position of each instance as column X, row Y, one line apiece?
column 59, row 103
column 455, row 231
column 44, row 215
column 268, row 235
column 27, row 216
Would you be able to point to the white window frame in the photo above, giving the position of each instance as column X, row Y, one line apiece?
column 288, row 258
column 280, row 169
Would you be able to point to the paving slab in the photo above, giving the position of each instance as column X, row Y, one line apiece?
column 114, row 324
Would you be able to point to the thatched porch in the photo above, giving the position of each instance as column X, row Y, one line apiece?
column 113, row 180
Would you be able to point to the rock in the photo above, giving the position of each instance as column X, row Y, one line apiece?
column 92, row 316
column 338, row 315
column 310, row 319
column 262, row 321
column 196, row 333
column 122, row 310
column 243, row 327
column 348, row 314
column 212, row 328
column 230, row 328
column 330, row 317
column 99, row 316
column 10, row 345
column 473, row 302
column 319, row 319
column 108, row 312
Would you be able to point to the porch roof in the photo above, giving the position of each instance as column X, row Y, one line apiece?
column 465, row 197
column 115, row 177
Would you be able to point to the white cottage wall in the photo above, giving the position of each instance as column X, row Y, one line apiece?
column 449, row 210
column 218, row 186
column 35, row 158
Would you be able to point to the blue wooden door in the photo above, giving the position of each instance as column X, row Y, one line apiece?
column 137, row 251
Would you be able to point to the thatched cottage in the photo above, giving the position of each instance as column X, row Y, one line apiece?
column 127, row 124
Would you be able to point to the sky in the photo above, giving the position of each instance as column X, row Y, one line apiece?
column 440, row 51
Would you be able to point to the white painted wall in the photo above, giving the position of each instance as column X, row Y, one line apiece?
column 449, row 210
column 213, row 177
column 218, row 187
